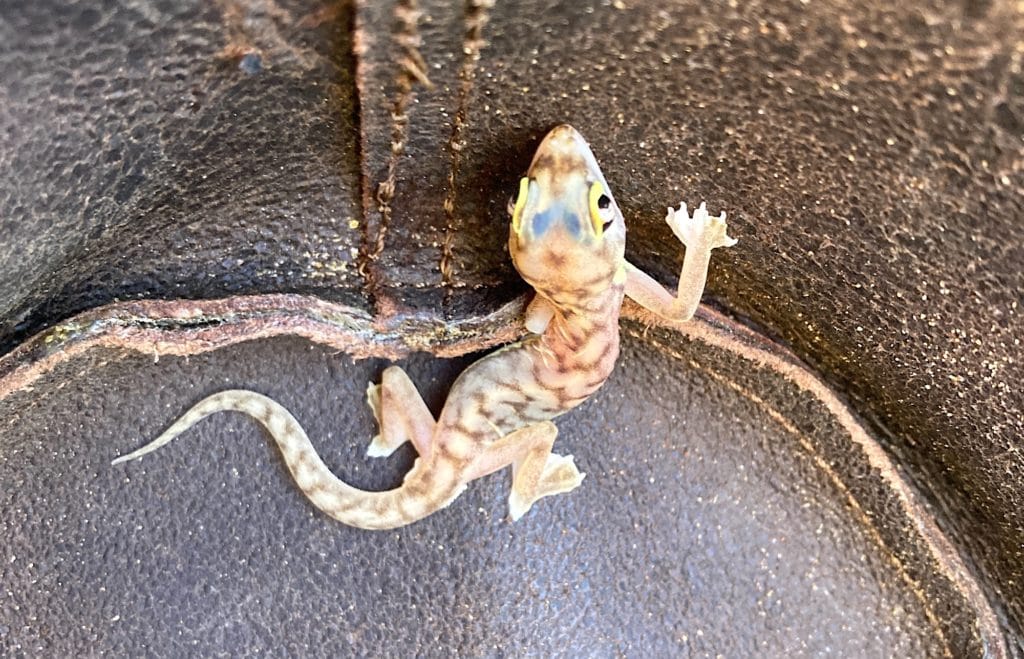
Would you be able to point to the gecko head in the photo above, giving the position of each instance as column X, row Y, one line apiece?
column 567, row 232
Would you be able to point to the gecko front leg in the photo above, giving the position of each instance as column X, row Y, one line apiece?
column 700, row 233
column 538, row 314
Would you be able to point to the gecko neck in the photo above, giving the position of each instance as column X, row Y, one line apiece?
column 583, row 336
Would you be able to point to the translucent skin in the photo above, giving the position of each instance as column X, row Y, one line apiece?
column 567, row 240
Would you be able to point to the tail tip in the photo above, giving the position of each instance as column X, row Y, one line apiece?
column 124, row 458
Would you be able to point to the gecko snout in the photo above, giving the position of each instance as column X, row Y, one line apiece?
column 562, row 151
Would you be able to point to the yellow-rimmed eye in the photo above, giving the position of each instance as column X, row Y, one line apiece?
column 601, row 212
column 517, row 209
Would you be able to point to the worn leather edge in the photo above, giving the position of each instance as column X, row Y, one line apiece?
column 715, row 329
column 188, row 327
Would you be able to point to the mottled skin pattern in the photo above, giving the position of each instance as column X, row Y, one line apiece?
column 567, row 239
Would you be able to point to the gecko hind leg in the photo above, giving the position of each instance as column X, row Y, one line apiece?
column 536, row 471
column 560, row 475
column 401, row 415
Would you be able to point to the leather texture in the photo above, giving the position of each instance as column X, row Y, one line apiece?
column 702, row 526
column 868, row 156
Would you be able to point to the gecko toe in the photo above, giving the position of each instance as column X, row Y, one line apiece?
column 378, row 448
column 517, row 506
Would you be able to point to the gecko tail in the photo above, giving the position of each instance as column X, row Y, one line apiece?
column 235, row 399
column 428, row 487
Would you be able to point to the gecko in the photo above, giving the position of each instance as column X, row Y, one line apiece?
column 567, row 240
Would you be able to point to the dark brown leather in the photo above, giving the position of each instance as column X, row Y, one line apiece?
column 141, row 160
column 868, row 157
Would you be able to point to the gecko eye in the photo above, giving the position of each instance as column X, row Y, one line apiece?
column 604, row 207
column 601, row 212
column 515, row 208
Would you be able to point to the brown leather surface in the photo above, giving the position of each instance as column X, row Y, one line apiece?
column 140, row 159
column 869, row 158
column 702, row 526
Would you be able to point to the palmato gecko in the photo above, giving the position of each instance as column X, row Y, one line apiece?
column 567, row 240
